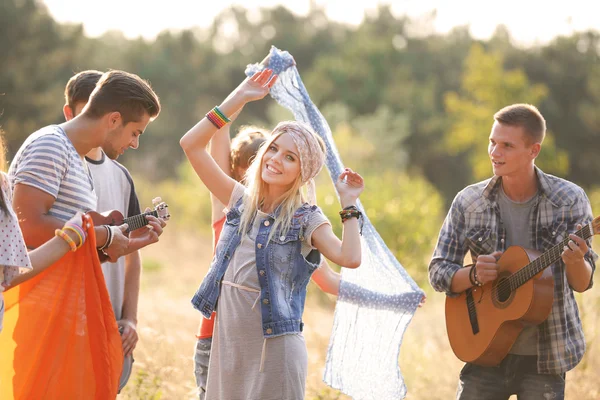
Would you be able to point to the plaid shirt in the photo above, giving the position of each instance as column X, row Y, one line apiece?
column 473, row 224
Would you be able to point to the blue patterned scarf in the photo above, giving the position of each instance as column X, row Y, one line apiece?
column 377, row 300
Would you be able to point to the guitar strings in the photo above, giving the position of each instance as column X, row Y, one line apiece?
column 138, row 221
column 584, row 233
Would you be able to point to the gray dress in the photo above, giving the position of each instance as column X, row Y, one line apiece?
column 243, row 364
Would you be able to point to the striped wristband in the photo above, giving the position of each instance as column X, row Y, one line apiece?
column 217, row 118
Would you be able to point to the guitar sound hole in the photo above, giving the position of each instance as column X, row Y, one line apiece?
column 503, row 291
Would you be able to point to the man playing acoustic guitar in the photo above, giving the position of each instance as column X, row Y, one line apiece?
column 519, row 206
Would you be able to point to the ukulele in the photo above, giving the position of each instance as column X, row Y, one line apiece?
column 484, row 322
column 115, row 218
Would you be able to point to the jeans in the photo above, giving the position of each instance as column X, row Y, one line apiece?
column 201, row 358
column 516, row 374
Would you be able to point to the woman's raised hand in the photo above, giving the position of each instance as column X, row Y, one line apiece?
column 349, row 186
column 257, row 86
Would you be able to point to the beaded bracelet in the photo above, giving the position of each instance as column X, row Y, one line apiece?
column 476, row 280
column 473, row 277
column 63, row 235
column 217, row 118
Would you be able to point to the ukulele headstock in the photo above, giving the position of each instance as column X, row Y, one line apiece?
column 161, row 208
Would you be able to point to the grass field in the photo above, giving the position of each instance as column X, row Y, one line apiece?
column 167, row 323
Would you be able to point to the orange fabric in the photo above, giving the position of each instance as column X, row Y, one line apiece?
column 205, row 330
column 217, row 227
column 60, row 337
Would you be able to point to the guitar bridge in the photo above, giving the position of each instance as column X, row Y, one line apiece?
column 472, row 312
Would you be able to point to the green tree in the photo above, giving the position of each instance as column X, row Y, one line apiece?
column 569, row 68
column 486, row 88
column 35, row 53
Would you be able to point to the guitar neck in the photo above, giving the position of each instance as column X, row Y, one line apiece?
column 548, row 258
column 139, row 221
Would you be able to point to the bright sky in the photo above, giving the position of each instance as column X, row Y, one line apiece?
column 529, row 21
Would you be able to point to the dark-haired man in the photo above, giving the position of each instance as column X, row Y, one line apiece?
column 49, row 176
column 115, row 191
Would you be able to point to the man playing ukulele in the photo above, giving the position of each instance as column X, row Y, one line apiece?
column 519, row 206
column 51, row 180
column 115, row 190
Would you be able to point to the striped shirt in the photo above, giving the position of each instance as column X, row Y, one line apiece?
column 474, row 224
column 48, row 161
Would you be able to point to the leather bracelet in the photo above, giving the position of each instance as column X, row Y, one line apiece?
column 108, row 239
column 352, row 212
column 347, row 214
column 112, row 236
column 471, row 275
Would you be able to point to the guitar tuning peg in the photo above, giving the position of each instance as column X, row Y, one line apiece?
column 156, row 201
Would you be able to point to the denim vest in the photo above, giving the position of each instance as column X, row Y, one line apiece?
column 283, row 272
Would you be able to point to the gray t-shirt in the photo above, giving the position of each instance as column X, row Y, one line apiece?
column 516, row 218
column 115, row 191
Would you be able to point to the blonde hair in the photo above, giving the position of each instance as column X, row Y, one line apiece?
column 289, row 201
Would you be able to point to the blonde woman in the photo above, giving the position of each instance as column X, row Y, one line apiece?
column 235, row 158
column 270, row 245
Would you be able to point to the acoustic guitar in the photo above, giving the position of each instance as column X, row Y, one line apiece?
column 115, row 218
column 484, row 322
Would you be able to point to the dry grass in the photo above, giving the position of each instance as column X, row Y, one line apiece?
column 164, row 367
